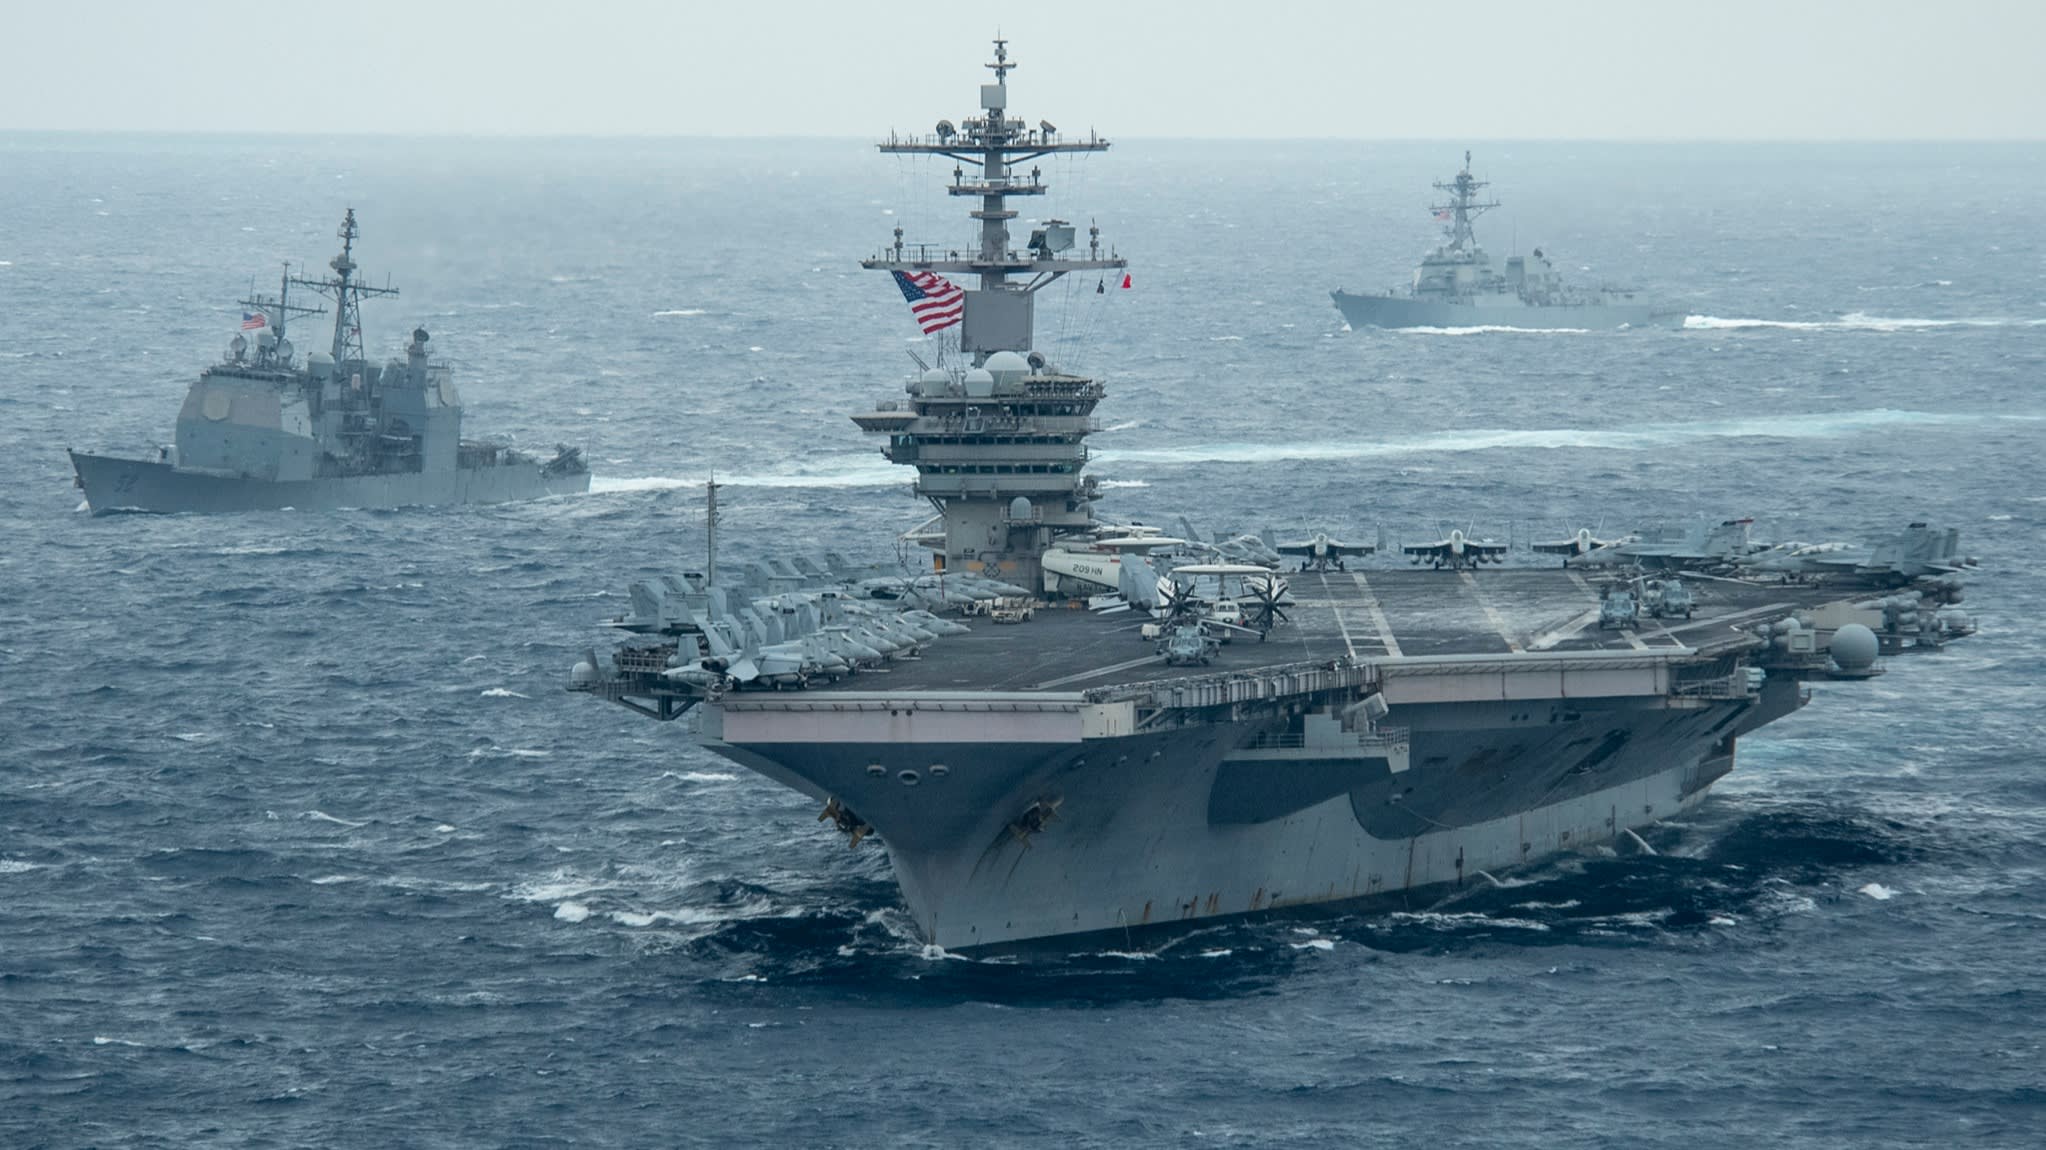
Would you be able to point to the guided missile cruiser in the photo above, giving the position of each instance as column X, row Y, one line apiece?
column 1213, row 737
column 266, row 429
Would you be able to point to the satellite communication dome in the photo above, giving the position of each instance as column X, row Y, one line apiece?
column 582, row 672
column 1854, row 647
column 1019, row 508
column 980, row 383
column 1007, row 367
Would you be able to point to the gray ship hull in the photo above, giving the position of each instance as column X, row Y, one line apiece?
column 1202, row 823
column 114, row 484
column 1503, row 310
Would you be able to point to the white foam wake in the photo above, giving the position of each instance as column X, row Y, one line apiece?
column 680, row 311
column 1494, row 329
column 1852, row 321
column 849, row 472
column 1650, row 437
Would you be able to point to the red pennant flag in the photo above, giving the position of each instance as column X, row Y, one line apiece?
column 1125, row 279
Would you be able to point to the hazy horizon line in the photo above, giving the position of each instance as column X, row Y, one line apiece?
column 609, row 137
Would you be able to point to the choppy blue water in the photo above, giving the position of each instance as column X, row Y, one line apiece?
column 301, row 843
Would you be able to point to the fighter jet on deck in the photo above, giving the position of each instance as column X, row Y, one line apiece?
column 1318, row 552
column 1917, row 552
column 1584, row 542
column 1693, row 548
column 1456, row 552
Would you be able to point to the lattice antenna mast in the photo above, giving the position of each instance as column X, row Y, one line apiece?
column 988, row 151
column 1463, row 205
column 710, row 529
column 279, row 309
column 346, row 293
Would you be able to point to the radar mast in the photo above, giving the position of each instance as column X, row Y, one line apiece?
column 346, row 293
column 1463, row 206
column 989, row 150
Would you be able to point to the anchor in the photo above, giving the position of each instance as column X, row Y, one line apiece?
column 1034, row 818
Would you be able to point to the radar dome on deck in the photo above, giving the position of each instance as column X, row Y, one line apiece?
column 1854, row 647
column 980, row 383
column 1019, row 508
column 1007, row 367
column 321, row 364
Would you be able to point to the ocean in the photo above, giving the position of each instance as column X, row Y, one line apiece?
column 302, row 842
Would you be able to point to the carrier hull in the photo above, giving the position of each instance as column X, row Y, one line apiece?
column 113, row 484
column 1206, row 822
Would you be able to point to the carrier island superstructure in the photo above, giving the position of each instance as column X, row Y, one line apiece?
column 1052, row 772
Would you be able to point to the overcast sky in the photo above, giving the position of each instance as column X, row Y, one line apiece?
column 1464, row 69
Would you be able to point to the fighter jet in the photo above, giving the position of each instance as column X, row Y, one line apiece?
column 1245, row 548
column 1320, row 553
column 1693, row 548
column 1457, row 552
column 782, row 664
column 1917, row 552
column 1584, row 542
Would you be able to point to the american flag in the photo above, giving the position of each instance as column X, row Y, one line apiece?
column 251, row 320
column 1444, row 215
column 936, row 301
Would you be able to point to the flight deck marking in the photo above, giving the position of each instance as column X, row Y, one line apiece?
column 1491, row 613
column 1340, row 624
column 1392, row 645
column 1632, row 639
column 1098, row 672
column 1569, row 630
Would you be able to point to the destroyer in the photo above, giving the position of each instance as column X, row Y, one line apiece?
column 1362, row 734
column 265, row 429
column 1457, row 285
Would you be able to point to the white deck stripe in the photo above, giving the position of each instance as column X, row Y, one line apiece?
column 1099, row 671
column 1341, row 625
column 1632, row 639
column 1568, row 630
column 1492, row 614
column 1378, row 620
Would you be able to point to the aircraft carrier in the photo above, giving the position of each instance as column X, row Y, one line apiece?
column 1099, row 747
column 1457, row 285
column 266, row 430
